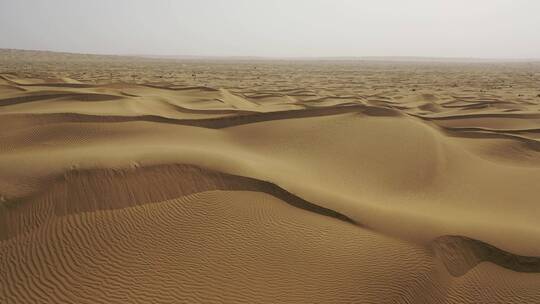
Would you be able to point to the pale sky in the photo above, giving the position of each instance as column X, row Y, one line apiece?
column 279, row 28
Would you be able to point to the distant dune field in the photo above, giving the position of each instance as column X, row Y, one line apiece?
column 140, row 180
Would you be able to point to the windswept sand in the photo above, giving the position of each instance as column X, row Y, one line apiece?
column 128, row 180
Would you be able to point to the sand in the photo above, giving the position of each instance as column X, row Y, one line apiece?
column 137, row 180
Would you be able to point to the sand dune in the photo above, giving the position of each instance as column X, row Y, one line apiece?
column 239, row 186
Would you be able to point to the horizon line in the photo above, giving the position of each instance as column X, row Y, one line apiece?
column 299, row 58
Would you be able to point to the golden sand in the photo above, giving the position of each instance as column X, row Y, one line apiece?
column 126, row 180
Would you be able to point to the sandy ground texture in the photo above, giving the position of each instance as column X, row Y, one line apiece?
column 127, row 180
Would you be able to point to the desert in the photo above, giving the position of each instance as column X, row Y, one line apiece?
column 158, row 180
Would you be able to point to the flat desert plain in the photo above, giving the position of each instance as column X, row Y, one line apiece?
column 152, row 180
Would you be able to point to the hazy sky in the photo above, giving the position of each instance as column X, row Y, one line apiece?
column 281, row 28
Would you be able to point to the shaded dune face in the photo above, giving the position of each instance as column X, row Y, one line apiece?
column 106, row 189
column 461, row 254
column 157, row 192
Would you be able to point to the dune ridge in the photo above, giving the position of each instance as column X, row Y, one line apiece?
column 95, row 190
column 436, row 149
column 79, row 191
